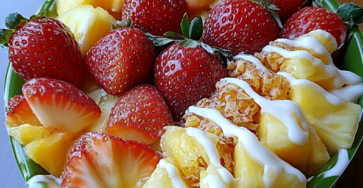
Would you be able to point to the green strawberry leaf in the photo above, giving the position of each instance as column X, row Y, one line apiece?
column 188, row 43
column 277, row 18
column 162, row 41
column 196, row 28
column 351, row 13
column 5, row 35
column 173, row 35
column 14, row 20
column 185, row 26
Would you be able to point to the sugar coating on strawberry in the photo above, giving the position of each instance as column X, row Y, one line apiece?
column 45, row 47
column 19, row 112
column 121, row 59
column 185, row 75
column 58, row 104
column 287, row 7
column 240, row 26
column 155, row 16
column 140, row 114
column 312, row 18
column 100, row 160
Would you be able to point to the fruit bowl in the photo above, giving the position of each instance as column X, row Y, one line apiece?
column 351, row 59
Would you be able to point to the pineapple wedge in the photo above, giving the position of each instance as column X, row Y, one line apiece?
column 27, row 133
column 334, row 120
column 111, row 6
column 88, row 25
column 308, row 158
column 51, row 152
column 166, row 175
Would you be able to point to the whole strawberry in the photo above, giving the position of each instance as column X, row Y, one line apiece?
column 287, row 7
column 312, row 18
column 155, row 16
column 121, row 59
column 187, row 70
column 240, row 26
column 43, row 47
column 140, row 114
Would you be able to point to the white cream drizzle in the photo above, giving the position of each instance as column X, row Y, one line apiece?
column 251, row 59
column 341, row 77
column 285, row 111
column 332, row 99
column 51, row 181
column 342, row 163
column 212, row 153
column 212, row 181
column 173, row 174
column 255, row 149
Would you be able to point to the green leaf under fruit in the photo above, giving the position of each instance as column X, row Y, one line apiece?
column 188, row 43
column 185, row 26
column 173, row 35
column 14, row 20
column 196, row 28
column 162, row 41
column 351, row 13
column 5, row 35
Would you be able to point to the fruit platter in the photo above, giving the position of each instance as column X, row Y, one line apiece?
column 184, row 93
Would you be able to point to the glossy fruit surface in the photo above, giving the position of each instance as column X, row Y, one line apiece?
column 239, row 26
column 287, row 7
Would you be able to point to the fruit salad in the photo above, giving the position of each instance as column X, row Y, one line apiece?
column 139, row 94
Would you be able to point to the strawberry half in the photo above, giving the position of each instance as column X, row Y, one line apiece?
column 19, row 112
column 140, row 114
column 42, row 47
column 59, row 104
column 100, row 160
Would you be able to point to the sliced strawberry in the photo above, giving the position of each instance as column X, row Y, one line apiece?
column 59, row 104
column 140, row 114
column 19, row 112
column 100, row 160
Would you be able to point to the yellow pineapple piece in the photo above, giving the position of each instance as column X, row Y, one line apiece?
column 88, row 25
column 51, row 152
column 335, row 124
column 212, row 177
column 251, row 173
column 308, row 157
column 325, row 39
column 166, row 175
column 28, row 133
column 111, row 6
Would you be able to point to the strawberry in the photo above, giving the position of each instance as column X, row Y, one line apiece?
column 140, row 114
column 58, row 104
column 240, row 26
column 287, row 7
column 187, row 70
column 121, row 59
column 155, row 16
column 312, row 18
column 19, row 112
column 43, row 47
column 100, row 160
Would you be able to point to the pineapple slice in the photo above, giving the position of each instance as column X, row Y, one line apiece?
column 334, row 120
column 325, row 39
column 308, row 158
column 112, row 6
column 27, row 133
column 51, row 152
column 212, row 177
column 166, row 175
column 88, row 25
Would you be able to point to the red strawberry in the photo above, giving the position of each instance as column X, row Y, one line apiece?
column 121, row 59
column 185, row 75
column 44, row 47
column 155, row 16
column 99, row 160
column 240, row 26
column 60, row 105
column 312, row 18
column 19, row 112
column 287, row 7
column 140, row 114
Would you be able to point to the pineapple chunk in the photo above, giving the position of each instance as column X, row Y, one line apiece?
column 336, row 125
column 28, row 133
column 51, row 152
column 212, row 177
column 166, row 175
column 88, row 25
column 251, row 173
column 308, row 158
column 64, row 6
column 325, row 39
